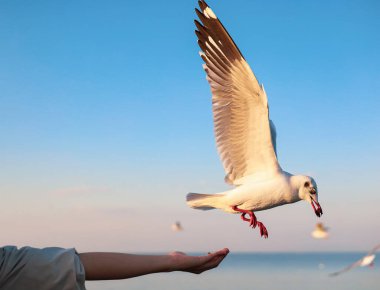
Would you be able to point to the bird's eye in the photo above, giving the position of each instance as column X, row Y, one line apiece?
column 307, row 184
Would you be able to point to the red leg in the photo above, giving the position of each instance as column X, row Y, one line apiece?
column 244, row 218
column 263, row 230
column 252, row 220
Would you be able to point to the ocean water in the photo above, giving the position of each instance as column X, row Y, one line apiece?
column 267, row 271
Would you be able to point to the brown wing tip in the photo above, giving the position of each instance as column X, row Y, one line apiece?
column 207, row 11
column 199, row 14
column 197, row 23
column 202, row 4
column 198, row 34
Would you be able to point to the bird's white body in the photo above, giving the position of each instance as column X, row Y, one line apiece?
column 368, row 260
column 256, row 193
column 176, row 227
column 320, row 232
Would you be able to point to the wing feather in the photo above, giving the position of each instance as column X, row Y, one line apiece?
column 357, row 263
column 244, row 136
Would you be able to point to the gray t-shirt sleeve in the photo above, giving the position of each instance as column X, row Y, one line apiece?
column 30, row 268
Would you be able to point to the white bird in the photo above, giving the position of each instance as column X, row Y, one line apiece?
column 176, row 227
column 320, row 232
column 245, row 136
column 367, row 260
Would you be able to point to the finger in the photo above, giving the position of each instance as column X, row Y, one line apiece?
column 222, row 252
column 211, row 264
column 215, row 260
column 212, row 260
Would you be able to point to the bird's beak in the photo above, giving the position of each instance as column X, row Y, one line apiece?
column 316, row 206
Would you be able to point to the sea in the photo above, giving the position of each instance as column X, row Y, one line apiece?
column 266, row 271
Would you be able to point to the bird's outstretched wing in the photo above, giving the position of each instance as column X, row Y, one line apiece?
column 273, row 133
column 370, row 256
column 240, row 107
column 374, row 250
column 353, row 265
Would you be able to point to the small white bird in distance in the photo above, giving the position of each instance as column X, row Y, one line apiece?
column 320, row 231
column 245, row 136
column 176, row 227
column 367, row 260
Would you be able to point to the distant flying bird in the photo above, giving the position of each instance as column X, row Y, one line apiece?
column 320, row 231
column 245, row 136
column 367, row 260
column 176, row 227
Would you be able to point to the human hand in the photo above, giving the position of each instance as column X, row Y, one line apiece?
column 197, row 264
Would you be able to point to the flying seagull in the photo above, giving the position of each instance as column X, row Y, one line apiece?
column 245, row 136
column 320, row 232
column 367, row 260
column 176, row 227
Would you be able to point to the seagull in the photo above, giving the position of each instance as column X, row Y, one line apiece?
column 367, row 260
column 245, row 136
column 320, row 232
column 176, row 227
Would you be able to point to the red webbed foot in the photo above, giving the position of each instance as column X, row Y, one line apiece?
column 253, row 222
column 252, row 219
column 263, row 230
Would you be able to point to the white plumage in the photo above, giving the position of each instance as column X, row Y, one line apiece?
column 320, row 232
column 245, row 136
column 366, row 261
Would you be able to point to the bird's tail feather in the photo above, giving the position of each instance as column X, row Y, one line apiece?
column 203, row 201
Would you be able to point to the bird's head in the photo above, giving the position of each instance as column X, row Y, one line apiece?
column 308, row 191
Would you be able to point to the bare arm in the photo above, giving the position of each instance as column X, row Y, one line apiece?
column 107, row 266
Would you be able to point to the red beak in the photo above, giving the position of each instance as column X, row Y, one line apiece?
column 317, row 208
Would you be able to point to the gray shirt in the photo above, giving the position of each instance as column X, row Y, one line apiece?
column 30, row 268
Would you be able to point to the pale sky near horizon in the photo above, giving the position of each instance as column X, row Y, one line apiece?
column 106, row 123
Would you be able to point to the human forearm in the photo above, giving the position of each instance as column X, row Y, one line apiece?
column 106, row 266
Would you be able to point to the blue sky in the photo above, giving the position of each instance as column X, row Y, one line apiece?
column 106, row 122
